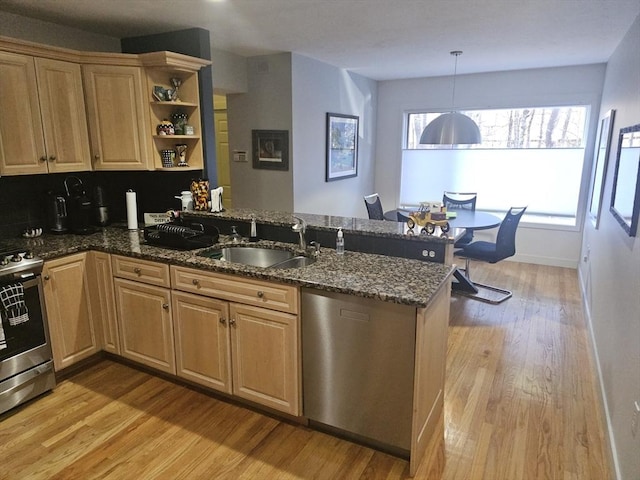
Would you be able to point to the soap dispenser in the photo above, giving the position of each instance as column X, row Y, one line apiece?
column 340, row 242
column 253, row 235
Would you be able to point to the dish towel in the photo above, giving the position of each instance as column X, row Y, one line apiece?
column 14, row 308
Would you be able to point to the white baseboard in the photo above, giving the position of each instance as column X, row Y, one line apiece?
column 539, row 260
column 603, row 396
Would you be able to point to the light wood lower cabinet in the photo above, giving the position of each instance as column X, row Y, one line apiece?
column 102, row 300
column 201, row 327
column 257, row 346
column 67, row 301
column 145, row 322
column 264, row 352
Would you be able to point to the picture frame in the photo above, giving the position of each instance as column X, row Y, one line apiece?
column 625, row 195
column 270, row 149
column 342, row 146
column 599, row 169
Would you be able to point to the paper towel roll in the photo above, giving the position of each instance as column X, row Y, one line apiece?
column 132, row 210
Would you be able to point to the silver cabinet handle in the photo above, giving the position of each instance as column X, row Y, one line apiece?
column 232, row 322
column 43, row 158
column 260, row 294
column 165, row 306
column 52, row 158
column 195, row 281
column 223, row 320
column 46, row 277
column 137, row 270
column 97, row 156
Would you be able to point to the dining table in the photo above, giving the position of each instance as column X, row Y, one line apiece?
column 464, row 219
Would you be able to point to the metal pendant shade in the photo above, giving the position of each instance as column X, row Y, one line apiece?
column 451, row 128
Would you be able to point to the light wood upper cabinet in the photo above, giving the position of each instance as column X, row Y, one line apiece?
column 63, row 115
column 67, row 301
column 188, row 105
column 42, row 116
column 117, row 113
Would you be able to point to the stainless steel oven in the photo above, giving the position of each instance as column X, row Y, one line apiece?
column 26, row 367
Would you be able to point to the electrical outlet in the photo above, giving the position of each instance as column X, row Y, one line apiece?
column 635, row 418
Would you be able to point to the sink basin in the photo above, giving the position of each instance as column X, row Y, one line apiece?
column 258, row 257
column 295, row 262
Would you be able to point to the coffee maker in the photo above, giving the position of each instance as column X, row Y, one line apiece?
column 79, row 206
column 101, row 206
column 57, row 218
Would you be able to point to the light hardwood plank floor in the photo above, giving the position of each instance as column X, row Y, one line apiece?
column 521, row 403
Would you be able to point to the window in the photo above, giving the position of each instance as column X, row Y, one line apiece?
column 528, row 156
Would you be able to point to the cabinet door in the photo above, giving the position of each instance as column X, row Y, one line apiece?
column 117, row 117
column 63, row 115
column 103, row 300
column 22, row 149
column 265, row 357
column 202, row 340
column 144, row 320
column 66, row 294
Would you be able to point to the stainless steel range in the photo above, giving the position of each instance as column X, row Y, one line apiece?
column 26, row 367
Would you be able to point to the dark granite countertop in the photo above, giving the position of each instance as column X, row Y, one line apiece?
column 350, row 225
column 398, row 280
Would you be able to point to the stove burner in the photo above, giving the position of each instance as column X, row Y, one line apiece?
column 18, row 262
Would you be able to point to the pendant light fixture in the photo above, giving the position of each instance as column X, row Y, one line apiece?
column 451, row 128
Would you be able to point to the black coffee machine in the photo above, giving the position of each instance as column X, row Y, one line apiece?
column 79, row 207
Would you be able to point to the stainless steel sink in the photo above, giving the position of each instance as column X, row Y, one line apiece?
column 258, row 257
column 295, row 262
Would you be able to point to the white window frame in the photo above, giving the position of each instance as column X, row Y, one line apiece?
column 530, row 220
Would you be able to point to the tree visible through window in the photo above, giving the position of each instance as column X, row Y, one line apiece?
column 528, row 156
column 540, row 127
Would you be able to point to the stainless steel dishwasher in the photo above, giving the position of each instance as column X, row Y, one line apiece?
column 358, row 364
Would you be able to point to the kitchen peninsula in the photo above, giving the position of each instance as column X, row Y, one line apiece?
column 191, row 304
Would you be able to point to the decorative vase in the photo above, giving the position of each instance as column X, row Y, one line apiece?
column 179, row 121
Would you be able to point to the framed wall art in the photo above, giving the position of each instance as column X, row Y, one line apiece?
column 270, row 149
column 625, row 197
column 342, row 146
column 600, row 161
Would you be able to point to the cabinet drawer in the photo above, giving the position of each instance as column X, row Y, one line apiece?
column 243, row 290
column 153, row 273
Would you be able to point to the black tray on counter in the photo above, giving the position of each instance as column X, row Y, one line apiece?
column 181, row 236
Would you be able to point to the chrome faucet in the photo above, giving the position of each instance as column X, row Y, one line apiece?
column 300, row 227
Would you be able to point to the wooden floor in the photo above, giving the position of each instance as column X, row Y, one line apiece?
column 520, row 403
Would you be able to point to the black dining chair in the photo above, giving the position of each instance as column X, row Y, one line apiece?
column 402, row 218
column 504, row 247
column 461, row 201
column 374, row 206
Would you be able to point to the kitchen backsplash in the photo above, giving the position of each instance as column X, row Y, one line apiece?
column 23, row 198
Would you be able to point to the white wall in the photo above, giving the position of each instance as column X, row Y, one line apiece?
column 610, row 273
column 33, row 30
column 265, row 106
column 229, row 72
column 319, row 88
column 519, row 88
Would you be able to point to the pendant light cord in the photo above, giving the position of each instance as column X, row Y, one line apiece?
column 455, row 53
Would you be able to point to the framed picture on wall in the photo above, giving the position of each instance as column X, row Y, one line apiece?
column 342, row 146
column 270, row 149
column 600, row 161
column 625, row 197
